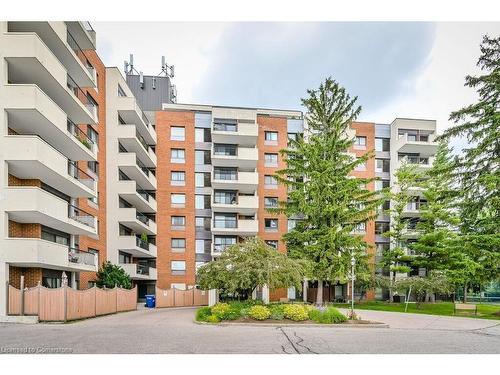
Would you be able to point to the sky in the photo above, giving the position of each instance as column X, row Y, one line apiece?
column 396, row 69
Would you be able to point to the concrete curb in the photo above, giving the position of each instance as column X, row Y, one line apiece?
column 313, row 325
column 19, row 319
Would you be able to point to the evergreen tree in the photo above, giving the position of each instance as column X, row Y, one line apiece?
column 332, row 203
column 111, row 275
column 478, row 169
column 396, row 258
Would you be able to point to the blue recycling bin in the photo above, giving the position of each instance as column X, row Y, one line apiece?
column 150, row 300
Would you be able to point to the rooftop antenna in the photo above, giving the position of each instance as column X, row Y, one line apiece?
column 165, row 68
column 128, row 66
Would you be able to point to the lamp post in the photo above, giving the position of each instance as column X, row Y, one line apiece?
column 353, row 263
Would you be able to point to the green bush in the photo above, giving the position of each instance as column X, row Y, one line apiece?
column 328, row 316
column 259, row 312
column 295, row 312
column 213, row 319
column 220, row 310
column 277, row 312
column 232, row 314
column 203, row 313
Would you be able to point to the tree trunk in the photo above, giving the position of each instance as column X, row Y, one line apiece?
column 319, row 294
column 465, row 293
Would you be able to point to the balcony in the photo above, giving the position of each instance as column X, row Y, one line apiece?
column 29, row 157
column 136, row 221
column 134, row 142
column 139, row 272
column 60, row 40
column 34, row 205
column 417, row 144
column 241, row 133
column 31, row 112
column 237, row 228
column 35, row 252
column 245, row 205
column 245, row 182
column 128, row 163
column 243, row 157
column 412, row 209
column 131, row 113
column 137, row 247
column 83, row 33
column 139, row 198
column 31, row 62
column 420, row 162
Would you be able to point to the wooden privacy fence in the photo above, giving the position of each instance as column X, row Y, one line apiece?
column 181, row 298
column 63, row 304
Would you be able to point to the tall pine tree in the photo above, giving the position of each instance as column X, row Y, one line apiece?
column 478, row 168
column 323, row 192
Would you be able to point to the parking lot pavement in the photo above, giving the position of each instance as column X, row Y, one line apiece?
column 173, row 331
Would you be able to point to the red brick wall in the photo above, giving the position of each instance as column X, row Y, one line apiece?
column 31, row 276
column 85, row 242
column 14, row 181
column 164, row 121
column 24, row 230
column 367, row 129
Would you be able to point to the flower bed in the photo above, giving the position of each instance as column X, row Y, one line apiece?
column 254, row 312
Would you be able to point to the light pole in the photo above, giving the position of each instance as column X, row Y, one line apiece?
column 353, row 263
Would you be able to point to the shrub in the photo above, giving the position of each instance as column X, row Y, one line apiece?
column 232, row 314
column 203, row 313
column 220, row 310
column 328, row 316
column 295, row 312
column 213, row 319
column 259, row 312
column 277, row 312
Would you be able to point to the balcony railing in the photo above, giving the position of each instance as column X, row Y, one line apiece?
column 81, row 257
column 415, row 206
column 142, row 218
column 230, row 224
column 225, row 126
column 142, row 269
column 81, row 95
column 77, row 173
column 227, row 176
column 80, row 53
column 141, row 243
column 143, row 168
column 81, row 216
column 143, row 193
column 81, row 135
column 417, row 160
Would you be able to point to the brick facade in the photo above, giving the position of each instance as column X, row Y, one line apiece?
column 24, row 230
column 31, row 276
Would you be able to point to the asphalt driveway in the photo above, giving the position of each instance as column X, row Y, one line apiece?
column 173, row 331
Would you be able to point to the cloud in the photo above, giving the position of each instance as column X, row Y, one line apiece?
column 273, row 64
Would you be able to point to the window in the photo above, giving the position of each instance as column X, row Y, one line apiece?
column 177, row 133
column 121, row 92
column 360, row 228
column 270, row 202
column 177, row 200
column 221, row 242
column 124, row 258
column 202, row 179
column 225, row 197
column 178, row 221
column 178, row 267
column 96, row 252
column 178, row 155
column 227, row 150
column 93, row 166
column 270, row 182
column 272, row 243
column 178, row 178
column 225, row 221
column 360, row 142
column 178, row 244
column 271, row 160
column 381, row 184
column 202, row 202
column 292, row 223
column 381, row 227
column 382, row 165
column 361, row 167
column 202, row 135
column 54, row 235
column 271, row 137
column 202, row 157
column 93, row 135
column 382, row 144
column 271, row 225
column 203, row 222
column 202, row 246
column 225, row 173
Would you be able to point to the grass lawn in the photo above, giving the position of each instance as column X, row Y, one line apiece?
column 484, row 311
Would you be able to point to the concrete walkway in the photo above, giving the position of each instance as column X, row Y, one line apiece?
column 173, row 331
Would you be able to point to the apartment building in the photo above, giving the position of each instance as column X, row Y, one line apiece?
column 50, row 107
column 131, row 185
